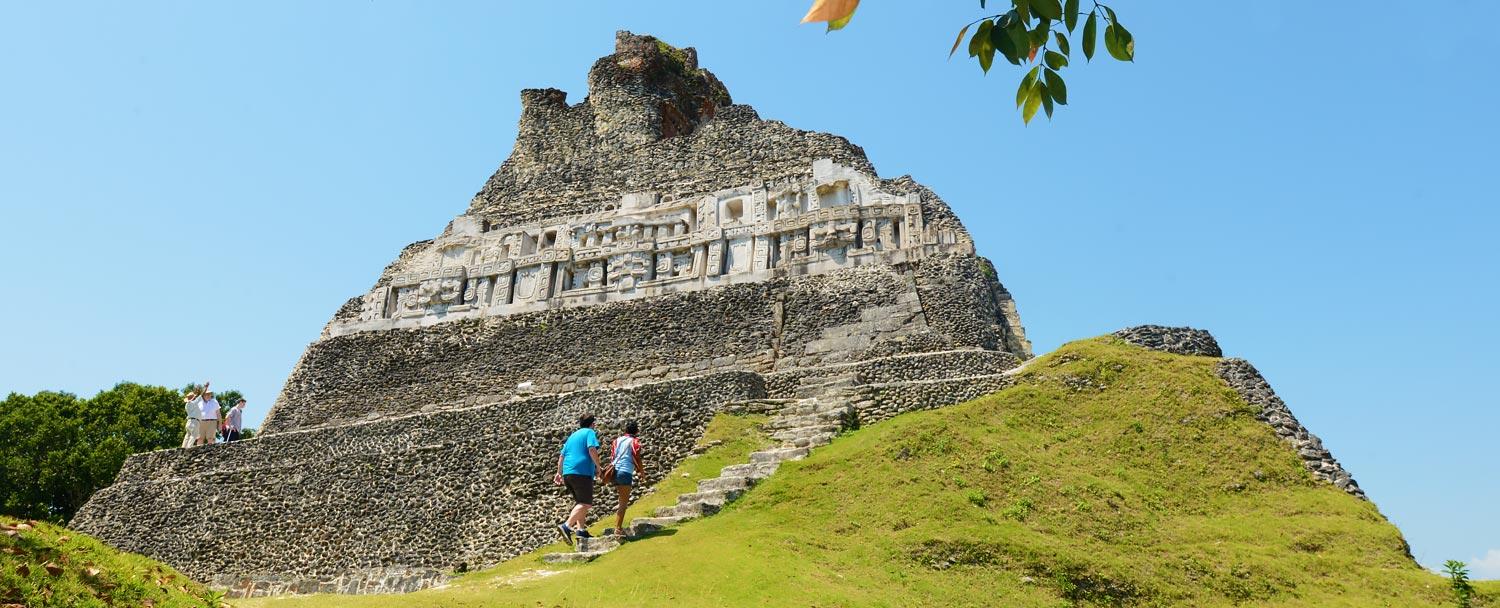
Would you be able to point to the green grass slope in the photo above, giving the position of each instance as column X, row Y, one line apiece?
column 1108, row 476
column 42, row 565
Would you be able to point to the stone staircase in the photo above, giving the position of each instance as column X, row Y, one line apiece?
column 799, row 425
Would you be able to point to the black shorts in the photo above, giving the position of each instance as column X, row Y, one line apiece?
column 581, row 487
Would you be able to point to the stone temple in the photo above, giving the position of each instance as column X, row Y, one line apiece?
column 654, row 252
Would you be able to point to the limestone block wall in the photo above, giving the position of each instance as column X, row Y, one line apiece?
column 388, row 505
column 849, row 315
column 876, row 402
column 896, row 368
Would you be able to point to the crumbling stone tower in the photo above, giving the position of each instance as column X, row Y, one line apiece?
column 654, row 252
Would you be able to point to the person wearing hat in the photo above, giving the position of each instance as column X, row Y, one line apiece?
column 234, row 421
column 208, row 417
column 192, row 404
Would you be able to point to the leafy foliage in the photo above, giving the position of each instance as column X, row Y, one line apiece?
column 1032, row 33
column 1458, row 581
column 57, row 449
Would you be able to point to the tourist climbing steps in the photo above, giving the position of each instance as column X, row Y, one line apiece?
column 799, row 424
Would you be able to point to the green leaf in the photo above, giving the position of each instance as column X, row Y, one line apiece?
column 1062, row 43
column 958, row 41
column 986, row 58
column 1025, row 88
column 1070, row 14
column 1057, row 87
column 1020, row 38
column 1050, row 9
column 1033, row 101
column 1114, row 45
column 1112, row 18
column 981, row 37
column 1023, row 10
column 1090, row 31
column 1055, row 60
column 1046, row 95
column 1038, row 37
column 1001, row 40
column 1125, row 42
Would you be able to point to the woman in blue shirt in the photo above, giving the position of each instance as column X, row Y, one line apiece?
column 625, row 456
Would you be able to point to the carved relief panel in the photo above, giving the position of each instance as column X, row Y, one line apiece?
column 739, row 255
column 715, row 258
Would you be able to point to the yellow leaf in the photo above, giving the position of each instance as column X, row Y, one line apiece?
column 958, row 41
column 831, row 10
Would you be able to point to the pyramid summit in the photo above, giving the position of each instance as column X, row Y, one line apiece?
column 653, row 252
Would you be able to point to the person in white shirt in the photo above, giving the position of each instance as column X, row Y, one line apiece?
column 208, row 417
column 191, row 405
column 234, row 421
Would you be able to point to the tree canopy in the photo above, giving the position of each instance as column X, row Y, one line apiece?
column 57, row 449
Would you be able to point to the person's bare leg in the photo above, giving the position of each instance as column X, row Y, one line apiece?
column 577, row 518
column 624, row 492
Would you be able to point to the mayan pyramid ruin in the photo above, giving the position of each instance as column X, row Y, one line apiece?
column 653, row 252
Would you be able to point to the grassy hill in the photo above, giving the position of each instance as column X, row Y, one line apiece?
column 42, row 565
column 1108, row 476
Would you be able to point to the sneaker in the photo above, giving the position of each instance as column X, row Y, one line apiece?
column 566, row 532
column 584, row 534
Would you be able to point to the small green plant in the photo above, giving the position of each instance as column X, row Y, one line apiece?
column 1458, row 581
column 995, row 461
column 1019, row 510
column 978, row 498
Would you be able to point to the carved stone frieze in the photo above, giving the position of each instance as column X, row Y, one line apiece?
column 649, row 244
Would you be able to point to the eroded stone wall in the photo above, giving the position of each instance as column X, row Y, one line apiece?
column 1253, row 388
column 387, row 505
column 850, row 315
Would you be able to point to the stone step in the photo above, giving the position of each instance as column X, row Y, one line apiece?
column 815, row 441
column 574, row 557
column 596, row 544
column 699, row 503
column 646, row 525
column 806, row 431
column 843, row 379
column 715, row 496
column 796, row 420
column 725, row 482
column 778, row 455
column 754, row 470
column 815, row 406
column 758, row 406
column 696, row 509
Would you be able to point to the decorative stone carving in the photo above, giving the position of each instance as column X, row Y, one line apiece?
column 372, row 305
column 838, row 218
column 715, row 257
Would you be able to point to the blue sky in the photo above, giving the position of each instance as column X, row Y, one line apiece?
column 189, row 190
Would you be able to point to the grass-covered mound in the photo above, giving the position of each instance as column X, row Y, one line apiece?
column 1110, row 475
column 42, row 565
